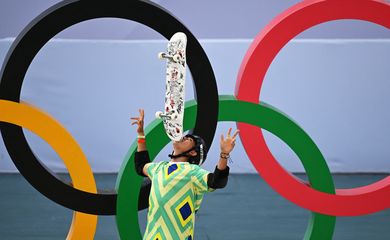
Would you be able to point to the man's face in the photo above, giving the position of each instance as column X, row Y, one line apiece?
column 185, row 144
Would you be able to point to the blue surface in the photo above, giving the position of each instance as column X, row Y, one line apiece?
column 246, row 209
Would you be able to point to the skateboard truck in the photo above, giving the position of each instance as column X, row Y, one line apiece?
column 164, row 55
column 161, row 115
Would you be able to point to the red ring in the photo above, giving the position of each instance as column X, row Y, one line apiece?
column 267, row 44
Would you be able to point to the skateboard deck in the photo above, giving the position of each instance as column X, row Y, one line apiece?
column 173, row 113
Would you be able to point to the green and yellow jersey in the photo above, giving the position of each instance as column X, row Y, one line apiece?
column 176, row 193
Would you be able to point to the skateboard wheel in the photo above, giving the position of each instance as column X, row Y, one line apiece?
column 176, row 58
column 158, row 114
column 161, row 55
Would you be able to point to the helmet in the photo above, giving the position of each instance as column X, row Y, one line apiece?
column 200, row 148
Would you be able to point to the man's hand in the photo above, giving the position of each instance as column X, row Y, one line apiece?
column 228, row 143
column 140, row 122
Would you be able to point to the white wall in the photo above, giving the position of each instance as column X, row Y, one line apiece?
column 206, row 19
column 337, row 90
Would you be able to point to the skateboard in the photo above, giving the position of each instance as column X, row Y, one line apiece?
column 173, row 114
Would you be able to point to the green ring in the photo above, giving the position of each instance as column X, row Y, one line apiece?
column 128, row 184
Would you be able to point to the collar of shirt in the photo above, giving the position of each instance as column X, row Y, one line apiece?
column 178, row 163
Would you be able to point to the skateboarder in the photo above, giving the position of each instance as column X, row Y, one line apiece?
column 178, row 185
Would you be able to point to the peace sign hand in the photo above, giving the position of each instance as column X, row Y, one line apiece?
column 228, row 143
column 140, row 122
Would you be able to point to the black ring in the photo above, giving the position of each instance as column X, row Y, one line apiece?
column 39, row 32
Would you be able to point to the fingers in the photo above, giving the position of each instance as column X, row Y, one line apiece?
column 228, row 143
column 235, row 134
column 141, row 115
column 140, row 119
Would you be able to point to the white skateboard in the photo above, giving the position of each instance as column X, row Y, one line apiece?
column 175, row 86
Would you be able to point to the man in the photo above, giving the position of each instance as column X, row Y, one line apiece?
column 178, row 185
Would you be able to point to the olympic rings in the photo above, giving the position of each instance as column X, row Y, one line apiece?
column 83, row 197
column 83, row 225
column 230, row 109
column 47, row 25
column 267, row 44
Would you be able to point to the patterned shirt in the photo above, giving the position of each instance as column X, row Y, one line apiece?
column 176, row 193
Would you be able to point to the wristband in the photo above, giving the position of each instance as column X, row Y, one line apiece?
column 141, row 140
column 224, row 155
column 141, row 136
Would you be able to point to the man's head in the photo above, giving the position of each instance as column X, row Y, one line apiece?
column 191, row 146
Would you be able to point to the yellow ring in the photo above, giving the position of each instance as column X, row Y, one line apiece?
column 30, row 117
